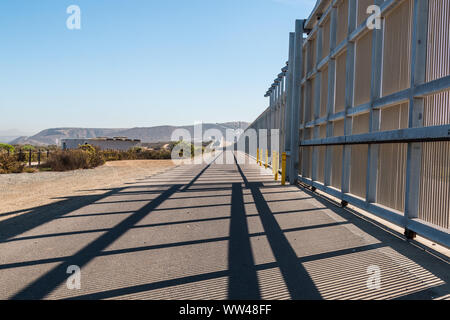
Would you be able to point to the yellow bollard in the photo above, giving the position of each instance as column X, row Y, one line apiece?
column 276, row 165
column 257, row 155
column 283, row 168
column 273, row 161
column 260, row 158
column 267, row 159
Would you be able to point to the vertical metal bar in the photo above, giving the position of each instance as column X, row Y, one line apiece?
column 296, row 97
column 349, row 92
column 331, row 89
column 288, row 111
column 418, row 72
column 374, row 124
column 318, row 83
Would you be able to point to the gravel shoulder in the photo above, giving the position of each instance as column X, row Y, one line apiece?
column 22, row 191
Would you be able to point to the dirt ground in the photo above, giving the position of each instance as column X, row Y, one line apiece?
column 22, row 191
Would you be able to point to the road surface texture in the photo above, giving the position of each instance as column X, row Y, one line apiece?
column 210, row 231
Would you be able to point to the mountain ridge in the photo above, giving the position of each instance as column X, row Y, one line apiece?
column 53, row 136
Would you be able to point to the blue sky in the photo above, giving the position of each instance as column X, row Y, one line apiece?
column 140, row 62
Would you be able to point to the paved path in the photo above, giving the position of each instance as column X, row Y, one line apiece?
column 218, row 231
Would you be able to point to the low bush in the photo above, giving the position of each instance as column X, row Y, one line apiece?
column 6, row 147
column 9, row 164
column 86, row 157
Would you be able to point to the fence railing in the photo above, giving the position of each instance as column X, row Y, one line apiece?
column 29, row 156
column 364, row 113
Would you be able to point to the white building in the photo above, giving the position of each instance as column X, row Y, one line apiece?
column 116, row 143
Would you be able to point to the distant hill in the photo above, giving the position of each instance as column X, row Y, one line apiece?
column 7, row 136
column 146, row 134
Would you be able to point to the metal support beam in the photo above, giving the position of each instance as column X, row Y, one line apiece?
column 418, row 73
column 296, row 97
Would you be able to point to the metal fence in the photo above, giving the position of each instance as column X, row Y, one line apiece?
column 364, row 114
column 28, row 156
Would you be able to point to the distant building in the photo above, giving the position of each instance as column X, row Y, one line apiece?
column 116, row 143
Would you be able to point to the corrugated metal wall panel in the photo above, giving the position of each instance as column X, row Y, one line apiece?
column 392, row 175
column 361, row 123
column 307, row 162
column 395, row 117
column 392, row 160
column 434, row 196
column 358, row 170
column 340, row 82
column 326, row 38
column 336, row 166
column 438, row 43
column 338, row 128
column 305, row 65
column 342, row 21
column 437, row 107
column 321, row 163
column 397, row 48
column 311, row 54
column 323, row 131
column 363, row 69
column 324, row 92
column 302, row 104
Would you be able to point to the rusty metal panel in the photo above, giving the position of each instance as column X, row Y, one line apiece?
column 397, row 48
column 363, row 69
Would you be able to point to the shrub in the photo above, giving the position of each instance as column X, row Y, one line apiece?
column 7, row 147
column 28, row 147
column 86, row 157
column 9, row 164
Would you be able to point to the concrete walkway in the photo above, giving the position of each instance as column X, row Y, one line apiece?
column 217, row 231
